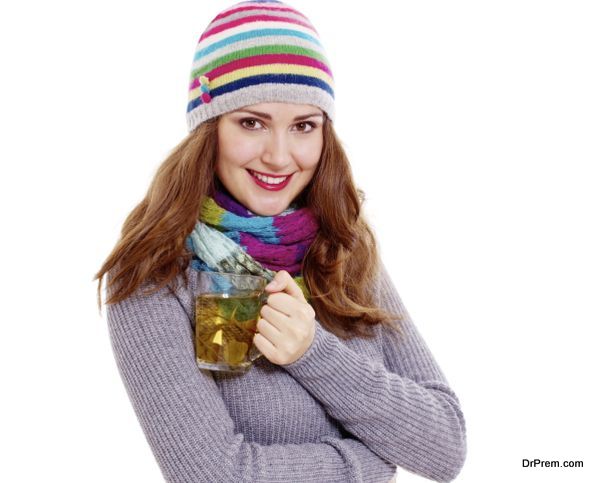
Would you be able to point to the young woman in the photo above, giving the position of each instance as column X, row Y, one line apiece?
column 347, row 389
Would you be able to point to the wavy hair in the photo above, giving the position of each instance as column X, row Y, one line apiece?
column 340, row 268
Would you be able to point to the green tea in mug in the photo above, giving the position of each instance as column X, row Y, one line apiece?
column 227, row 311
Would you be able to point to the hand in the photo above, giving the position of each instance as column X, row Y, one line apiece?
column 287, row 325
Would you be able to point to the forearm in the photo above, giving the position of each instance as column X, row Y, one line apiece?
column 332, row 460
column 187, row 423
column 417, row 426
column 403, row 409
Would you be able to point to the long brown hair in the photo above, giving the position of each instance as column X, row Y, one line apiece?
column 339, row 268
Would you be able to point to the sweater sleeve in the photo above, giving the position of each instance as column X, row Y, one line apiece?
column 184, row 417
column 404, row 410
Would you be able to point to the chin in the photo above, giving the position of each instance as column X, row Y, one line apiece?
column 273, row 212
column 268, row 211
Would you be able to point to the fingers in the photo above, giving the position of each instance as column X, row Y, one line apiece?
column 268, row 336
column 283, row 282
column 265, row 346
column 273, row 319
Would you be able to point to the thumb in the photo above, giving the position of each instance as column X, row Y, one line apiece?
column 279, row 281
column 273, row 284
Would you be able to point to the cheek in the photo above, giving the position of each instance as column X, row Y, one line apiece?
column 308, row 154
column 241, row 151
column 234, row 147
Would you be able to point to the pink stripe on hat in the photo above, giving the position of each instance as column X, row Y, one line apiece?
column 254, row 18
column 266, row 59
column 258, row 6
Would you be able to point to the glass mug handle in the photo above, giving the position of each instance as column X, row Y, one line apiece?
column 254, row 353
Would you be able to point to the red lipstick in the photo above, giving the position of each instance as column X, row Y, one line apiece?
column 270, row 187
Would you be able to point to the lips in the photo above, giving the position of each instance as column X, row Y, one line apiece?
column 269, row 174
column 267, row 186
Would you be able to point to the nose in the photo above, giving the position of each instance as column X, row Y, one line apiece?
column 277, row 153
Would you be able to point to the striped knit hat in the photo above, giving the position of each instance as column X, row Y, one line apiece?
column 258, row 51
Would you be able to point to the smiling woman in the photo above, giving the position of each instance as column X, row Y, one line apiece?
column 265, row 162
column 347, row 389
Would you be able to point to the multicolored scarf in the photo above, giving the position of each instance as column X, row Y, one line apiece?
column 230, row 238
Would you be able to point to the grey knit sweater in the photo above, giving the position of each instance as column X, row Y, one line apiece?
column 346, row 411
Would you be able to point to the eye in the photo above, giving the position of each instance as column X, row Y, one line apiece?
column 251, row 123
column 306, row 123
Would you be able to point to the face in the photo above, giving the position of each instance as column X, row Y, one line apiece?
column 278, row 140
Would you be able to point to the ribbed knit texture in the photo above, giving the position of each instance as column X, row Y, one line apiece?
column 258, row 51
column 346, row 411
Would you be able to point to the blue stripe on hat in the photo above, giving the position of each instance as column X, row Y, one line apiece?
column 252, row 34
column 282, row 79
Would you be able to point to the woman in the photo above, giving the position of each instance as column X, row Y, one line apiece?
column 347, row 389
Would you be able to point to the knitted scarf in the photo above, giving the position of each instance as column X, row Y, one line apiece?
column 230, row 238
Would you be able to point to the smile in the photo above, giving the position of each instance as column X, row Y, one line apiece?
column 268, row 182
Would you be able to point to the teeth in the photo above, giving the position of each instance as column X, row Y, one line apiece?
column 268, row 179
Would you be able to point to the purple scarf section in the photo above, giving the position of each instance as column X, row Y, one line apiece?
column 276, row 242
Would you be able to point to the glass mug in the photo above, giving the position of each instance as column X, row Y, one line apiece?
column 227, row 311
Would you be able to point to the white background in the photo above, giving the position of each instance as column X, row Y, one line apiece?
column 473, row 128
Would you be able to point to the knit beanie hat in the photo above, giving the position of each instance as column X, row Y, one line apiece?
column 258, row 51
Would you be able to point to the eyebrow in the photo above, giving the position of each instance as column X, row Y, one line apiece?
column 268, row 116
